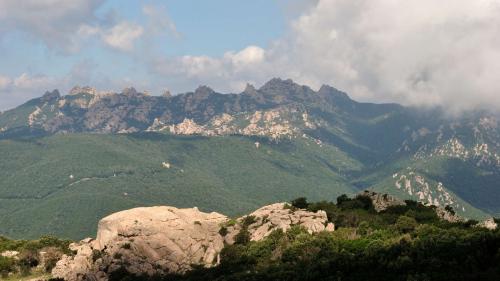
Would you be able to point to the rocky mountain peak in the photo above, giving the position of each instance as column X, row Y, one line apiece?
column 50, row 96
column 131, row 91
column 331, row 91
column 83, row 90
column 166, row 94
column 203, row 92
column 277, row 84
column 249, row 89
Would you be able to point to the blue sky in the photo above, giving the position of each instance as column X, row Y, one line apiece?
column 417, row 52
column 208, row 28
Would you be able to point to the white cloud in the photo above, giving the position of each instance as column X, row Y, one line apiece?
column 52, row 21
column 29, row 82
column 14, row 90
column 228, row 73
column 159, row 21
column 249, row 56
column 4, row 82
column 123, row 35
column 63, row 25
column 416, row 52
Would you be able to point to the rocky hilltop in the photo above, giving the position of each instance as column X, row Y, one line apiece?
column 163, row 240
column 373, row 235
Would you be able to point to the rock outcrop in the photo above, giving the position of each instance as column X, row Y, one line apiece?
column 382, row 201
column 265, row 220
column 154, row 240
column 488, row 224
column 446, row 215
column 160, row 240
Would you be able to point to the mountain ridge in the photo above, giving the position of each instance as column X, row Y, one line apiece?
column 412, row 153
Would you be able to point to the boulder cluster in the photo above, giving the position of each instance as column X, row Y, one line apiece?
column 161, row 240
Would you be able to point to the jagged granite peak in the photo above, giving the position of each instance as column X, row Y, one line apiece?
column 203, row 91
column 83, row 90
column 249, row 89
column 130, row 91
column 166, row 93
column 51, row 96
column 329, row 90
column 278, row 84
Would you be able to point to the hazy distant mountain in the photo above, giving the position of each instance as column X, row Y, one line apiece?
column 245, row 149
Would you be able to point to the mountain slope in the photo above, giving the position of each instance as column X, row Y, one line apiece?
column 61, row 184
column 321, row 144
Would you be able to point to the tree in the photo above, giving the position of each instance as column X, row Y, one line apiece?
column 300, row 203
column 406, row 224
column 342, row 198
column 449, row 209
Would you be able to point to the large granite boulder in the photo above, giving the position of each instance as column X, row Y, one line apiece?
column 151, row 241
column 262, row 222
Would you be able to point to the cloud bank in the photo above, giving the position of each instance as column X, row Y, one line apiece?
column 416, row 52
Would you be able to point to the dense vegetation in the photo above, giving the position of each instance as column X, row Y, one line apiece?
column 29, row 256
column 63, row 184
column 402, row 243
column 338, row 146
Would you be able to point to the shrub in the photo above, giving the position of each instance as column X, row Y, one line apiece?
column 243, row 237
column 223, row 231
column 248, row 220
column 300, row 203
column 406, row 224
column 342, row 198
column 231, row 222
column 96, row 254
column 449, row 209
column 6, row 266
column 51, row 257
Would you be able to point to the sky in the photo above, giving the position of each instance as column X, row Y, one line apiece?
column 414, row 52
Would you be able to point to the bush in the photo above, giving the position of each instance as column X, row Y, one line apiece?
column 223, row 231
column 96, row 254
column 342, row 198
column 243, row 237
column 7, row 265
column 300, row 203
column 449, row 209
column 406, row 224
column 248, row 220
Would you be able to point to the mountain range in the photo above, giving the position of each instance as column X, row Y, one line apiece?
column 66, row 161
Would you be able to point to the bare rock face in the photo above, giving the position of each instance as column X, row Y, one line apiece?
column 488, row 224
column 265, row 220
column 382, row 201
column 154, row 240
column 75, row 268
column 446, row 215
